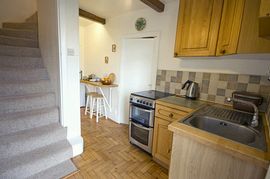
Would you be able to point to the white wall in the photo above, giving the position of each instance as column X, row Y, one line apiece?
column 82, row 47
column 99, row 38
column 69, row 72
column 48, row 41
column 16, row 10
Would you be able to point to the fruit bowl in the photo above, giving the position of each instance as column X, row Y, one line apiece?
column 106, row 81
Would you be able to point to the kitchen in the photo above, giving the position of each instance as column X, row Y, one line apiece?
column 214, row 66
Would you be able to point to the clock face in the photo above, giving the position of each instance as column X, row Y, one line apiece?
column 140, row 23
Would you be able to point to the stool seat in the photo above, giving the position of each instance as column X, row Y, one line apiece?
column 97, row 96
column 91, row 93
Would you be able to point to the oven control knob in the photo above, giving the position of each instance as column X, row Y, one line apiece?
column 150, row 104
column 146, row 103
column 131, row 99
column 143, row 102
column 137, row 100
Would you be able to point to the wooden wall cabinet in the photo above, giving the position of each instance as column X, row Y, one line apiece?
column 218, row 27
column 265, row 8
column 264, row 20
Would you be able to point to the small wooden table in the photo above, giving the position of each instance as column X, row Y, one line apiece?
column 99, row 85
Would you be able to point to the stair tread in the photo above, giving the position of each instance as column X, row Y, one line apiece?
column 18, row 97
column 18, row 30
column 30, row 133
column 18, row 82
column 16, row 47
column 63, row 169
column 23, row 114
column 22, row 70
column 40, row 159
column 17, row 38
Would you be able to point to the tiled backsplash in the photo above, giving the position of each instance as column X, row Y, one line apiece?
column 214, row 87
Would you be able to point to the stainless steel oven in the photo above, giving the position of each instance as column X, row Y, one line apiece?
column 141, row 115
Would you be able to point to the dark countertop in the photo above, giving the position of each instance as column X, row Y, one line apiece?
column 181, row 101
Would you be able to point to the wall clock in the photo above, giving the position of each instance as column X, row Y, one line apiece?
column 140, row 24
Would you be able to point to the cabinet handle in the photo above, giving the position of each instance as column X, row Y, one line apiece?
column 169, row 151
column 222, row 51
column 175, row 54
column 171, row 115
column 267, row 14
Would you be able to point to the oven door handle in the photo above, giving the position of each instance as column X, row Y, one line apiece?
column 145, row 110
column 140, row 126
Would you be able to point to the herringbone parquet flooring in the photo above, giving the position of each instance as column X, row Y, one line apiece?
column 108, row 154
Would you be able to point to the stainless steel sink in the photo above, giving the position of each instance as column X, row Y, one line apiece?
column 227, row 123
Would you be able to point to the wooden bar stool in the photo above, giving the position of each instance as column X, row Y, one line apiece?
column 98, row 102
column 89, row 101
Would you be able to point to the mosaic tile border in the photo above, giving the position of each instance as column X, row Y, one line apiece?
column 214, row 87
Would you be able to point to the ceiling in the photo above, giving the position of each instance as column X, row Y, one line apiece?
column 111, row 8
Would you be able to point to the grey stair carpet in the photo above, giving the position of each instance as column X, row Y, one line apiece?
column 33, row 144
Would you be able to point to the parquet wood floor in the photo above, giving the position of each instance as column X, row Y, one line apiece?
column 108, row 154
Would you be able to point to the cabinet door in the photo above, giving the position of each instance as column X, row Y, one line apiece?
column 265, row 8
column 230, row 27
column 198, row 26
column 162, row 143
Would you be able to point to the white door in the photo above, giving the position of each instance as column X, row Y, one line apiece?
column 138, row 71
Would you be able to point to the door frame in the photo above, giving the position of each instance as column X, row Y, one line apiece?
column 155, row 62
column 156, row 35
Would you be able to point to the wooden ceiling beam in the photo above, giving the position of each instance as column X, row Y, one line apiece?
column 90, row 16
column 155, row 4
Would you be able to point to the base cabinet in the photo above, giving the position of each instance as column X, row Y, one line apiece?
column 192, row 159
column 162, row 141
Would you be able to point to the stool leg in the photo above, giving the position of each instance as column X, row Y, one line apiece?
column 87, row 101
column 92, row 108
column 105, row 110
column 97, row 111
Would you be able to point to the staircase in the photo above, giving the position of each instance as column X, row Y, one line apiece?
column 33, row 144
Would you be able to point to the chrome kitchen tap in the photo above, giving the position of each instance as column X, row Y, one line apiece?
column 254, row 122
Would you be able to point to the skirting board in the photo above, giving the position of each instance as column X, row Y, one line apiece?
column 77, row 145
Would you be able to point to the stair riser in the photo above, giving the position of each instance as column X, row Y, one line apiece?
column 28, row 26
column 36, row 166
column 12, row 75
column 25, row 88
column 8, row 150
column 20, row 62
column 19, row 33
column 19, row 51
column 18, row 42
column 28, row 122
column 24, row 104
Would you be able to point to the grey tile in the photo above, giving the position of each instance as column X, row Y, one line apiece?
column 211, row 97
column 205, row 86
column 163, row 75
column 220, row 92
column 206, row 76
column 158, row 80
column 223, row 77
column 232, row 77
column 241, row 86
column 232, row 85
column 173, row 79
column 254, row 79
column 264, row 89
column 191, row 76
column 167, row 87
column 177, row 91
